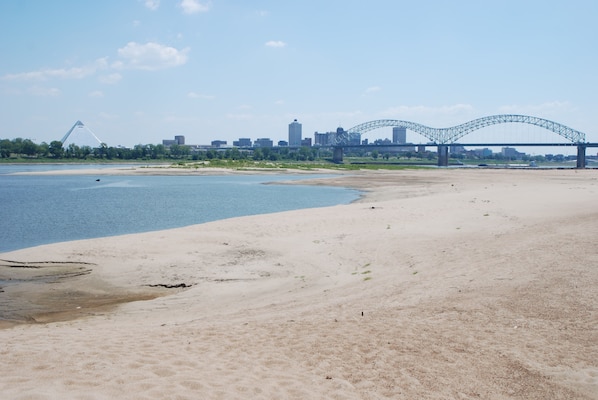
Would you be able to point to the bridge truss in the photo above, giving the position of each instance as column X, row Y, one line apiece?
column 454, row 133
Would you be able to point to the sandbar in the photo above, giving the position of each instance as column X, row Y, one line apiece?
column 436, row 284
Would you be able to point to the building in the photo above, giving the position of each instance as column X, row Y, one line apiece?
column 457, row 149
column 354, row 138
column 511, row 153
column 295, row 134
column 399, row 134
column 218, row 143
column 483, row 153
column 264, row 142
column 324, row 139
column 179, row 139
column 306, row 142
column 242, row 142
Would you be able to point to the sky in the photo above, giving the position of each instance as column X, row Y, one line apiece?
column 140, row 71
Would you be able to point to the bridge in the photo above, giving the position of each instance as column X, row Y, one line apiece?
column 445, row 137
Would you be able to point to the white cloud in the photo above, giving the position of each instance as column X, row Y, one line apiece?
column 150, row 56
column 193, row 6
column 110, row 79
column 96, row 93
column 372, row 89
column 279, row 102
column 45, row 74
column 59, row 73
column 41, row 91
column 275, row 43
column 152, row 4
column 425, row 113
column 536, row 109
column 194, row 95
column 105, row 115
column 240, row 117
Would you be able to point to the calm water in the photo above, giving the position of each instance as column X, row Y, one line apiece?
column 39, row 210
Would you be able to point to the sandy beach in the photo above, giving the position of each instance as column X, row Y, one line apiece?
column 437, row 284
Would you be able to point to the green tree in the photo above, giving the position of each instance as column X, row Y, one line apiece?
column 55, row 150
column 29, row 148
column 43, row 149
column 102, row 150
column 17, row 146
column 158, row 151
column 258, row 154
column 179, row 150
column 85, row 151
column 138, row 151
column 5, row 148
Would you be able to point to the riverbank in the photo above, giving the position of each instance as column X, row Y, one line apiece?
column 436, row 284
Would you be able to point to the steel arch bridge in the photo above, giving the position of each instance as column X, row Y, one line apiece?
column 452, row 134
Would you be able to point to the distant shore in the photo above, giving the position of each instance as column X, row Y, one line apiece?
column 438, row 283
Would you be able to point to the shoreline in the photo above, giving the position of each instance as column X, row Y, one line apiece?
column 169, row 169
column 437, row 283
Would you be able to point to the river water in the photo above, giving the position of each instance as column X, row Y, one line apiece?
column 43, row 209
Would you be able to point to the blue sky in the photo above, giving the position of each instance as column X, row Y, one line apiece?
column 139, row 71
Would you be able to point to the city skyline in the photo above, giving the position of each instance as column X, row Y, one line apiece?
column 81, row 135
column 140, row 71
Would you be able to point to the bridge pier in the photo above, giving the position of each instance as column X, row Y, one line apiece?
column 337, row 155
column 443, row 156
column 581, row 156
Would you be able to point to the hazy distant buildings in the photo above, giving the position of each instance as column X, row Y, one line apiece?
column 295, row 134
column 242, row 142
column 482, row 153
column 218, row 143
column 354, row 138
column 457, row 149
column 510, row 152
column 264, row 142
column 324, row 139
column 179, row 139
column 399, row 135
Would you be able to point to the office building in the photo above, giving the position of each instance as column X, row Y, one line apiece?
column 242, row 142
column 399, row 135
column 295, row 134
column 264, row 142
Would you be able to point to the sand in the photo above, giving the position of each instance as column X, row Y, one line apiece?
column 437, row 284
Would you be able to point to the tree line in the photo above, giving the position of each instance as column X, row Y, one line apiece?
column 25, row 148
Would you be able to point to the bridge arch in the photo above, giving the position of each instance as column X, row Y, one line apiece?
column 454, row 133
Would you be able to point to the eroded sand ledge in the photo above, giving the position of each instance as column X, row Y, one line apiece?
column 437, row 284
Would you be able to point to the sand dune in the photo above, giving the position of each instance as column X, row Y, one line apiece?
column 438, row 284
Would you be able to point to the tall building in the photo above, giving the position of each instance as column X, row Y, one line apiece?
column 295, row 134
column 399, row 135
